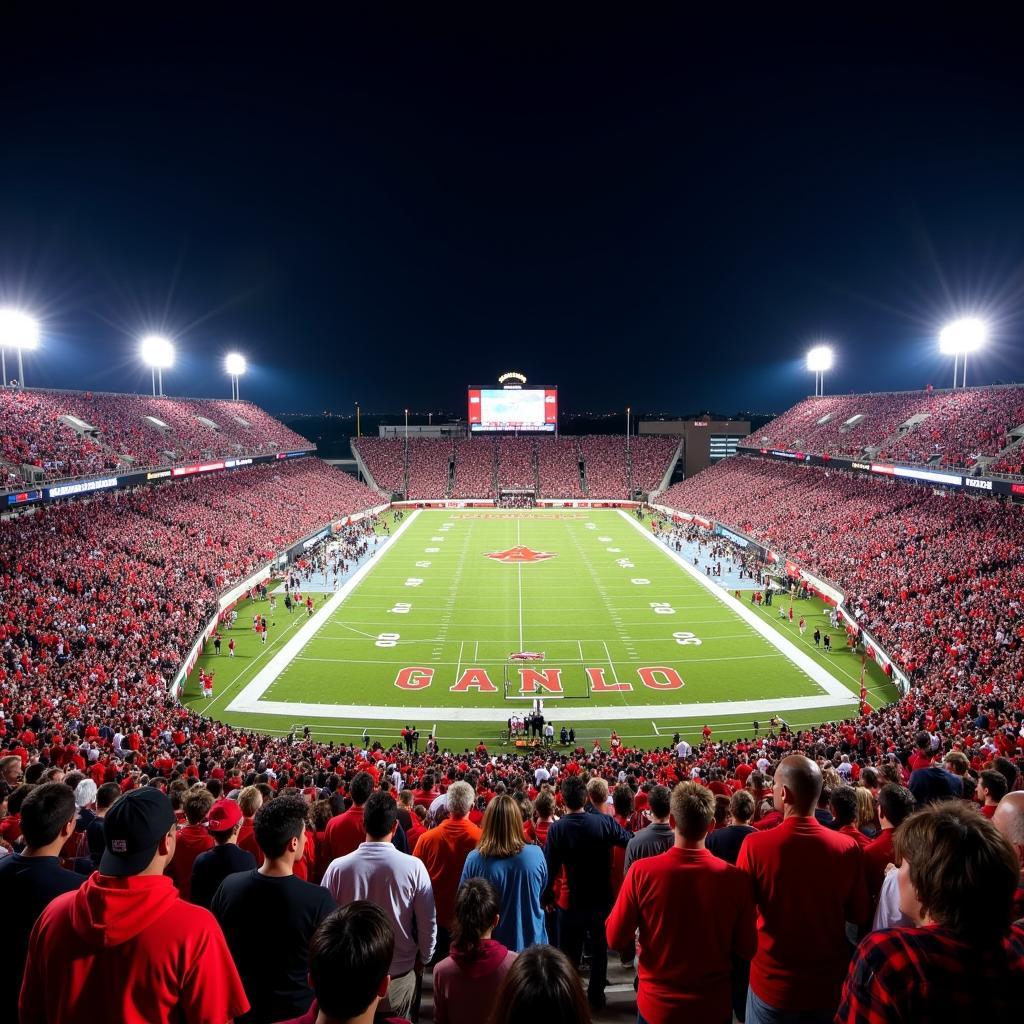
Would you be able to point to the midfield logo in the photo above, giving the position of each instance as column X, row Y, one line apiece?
column 520, row 554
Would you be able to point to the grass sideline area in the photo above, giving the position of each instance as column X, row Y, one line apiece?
column 599, row 600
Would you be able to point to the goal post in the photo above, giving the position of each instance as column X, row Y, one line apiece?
column 513, row 682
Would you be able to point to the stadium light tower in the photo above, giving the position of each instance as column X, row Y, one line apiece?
column 819, row 360
column 959, row 338
column 18, row 331
column 158, row 355
column 234, row 367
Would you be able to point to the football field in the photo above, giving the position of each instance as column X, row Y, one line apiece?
column 464, row 617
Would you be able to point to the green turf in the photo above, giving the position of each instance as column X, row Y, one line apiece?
column 580, row 608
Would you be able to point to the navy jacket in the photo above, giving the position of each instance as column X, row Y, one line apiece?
column 582, row 844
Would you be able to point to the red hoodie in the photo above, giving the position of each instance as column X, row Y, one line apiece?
column 192, row 840
column 129, row 950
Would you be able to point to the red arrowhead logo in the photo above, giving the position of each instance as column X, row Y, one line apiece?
column 520, row 554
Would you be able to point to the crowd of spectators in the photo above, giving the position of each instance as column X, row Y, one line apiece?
column 955, row 428
column 33, row 433
column 517, row 462
column 558, row 462
column 604, row 456
column 384, row 458
column 429, row 463
column 101, row 598
column 474, row 468
column 649, row 456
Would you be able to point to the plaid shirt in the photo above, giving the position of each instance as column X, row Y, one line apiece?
column 929, row 975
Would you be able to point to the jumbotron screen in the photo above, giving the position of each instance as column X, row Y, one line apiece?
column 513, row 409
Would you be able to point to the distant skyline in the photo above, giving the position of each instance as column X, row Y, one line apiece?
column 387, row 206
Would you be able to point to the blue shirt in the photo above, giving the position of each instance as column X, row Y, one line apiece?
column 520, row 881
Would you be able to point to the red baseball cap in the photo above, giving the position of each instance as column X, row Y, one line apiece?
column 224, row 815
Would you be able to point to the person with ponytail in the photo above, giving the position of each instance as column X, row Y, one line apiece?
column 467, row 980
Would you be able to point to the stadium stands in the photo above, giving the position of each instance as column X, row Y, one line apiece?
column 955, row 428
column 38, row 428
column 516, row 462
column 605, row 459
column 558, row 459
column 474, row 467
column 649, row 456
column 429, row 461
column 384, row 458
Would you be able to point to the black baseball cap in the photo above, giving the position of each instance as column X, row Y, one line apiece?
column 132, row 830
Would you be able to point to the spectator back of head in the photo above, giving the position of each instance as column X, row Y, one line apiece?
column 46, row 810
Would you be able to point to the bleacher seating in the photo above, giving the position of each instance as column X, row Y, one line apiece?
column 474, row 467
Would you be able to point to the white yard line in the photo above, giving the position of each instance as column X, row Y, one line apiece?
column 611, row 664
column 519, row 566
column 654, row 726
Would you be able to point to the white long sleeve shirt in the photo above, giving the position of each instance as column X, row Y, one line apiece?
column 400, row 886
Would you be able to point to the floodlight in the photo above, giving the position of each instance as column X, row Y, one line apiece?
column 819, row 359
column 157, row 352
column 18, row 330
column 961, row 336
column 234, row 364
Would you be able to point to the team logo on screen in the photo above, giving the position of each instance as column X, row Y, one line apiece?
column 520, row 554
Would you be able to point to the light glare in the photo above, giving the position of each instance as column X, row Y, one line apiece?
column 18, row 330
column 967, row 334
column 819, row 359
column 234, row 364
column 157, row 352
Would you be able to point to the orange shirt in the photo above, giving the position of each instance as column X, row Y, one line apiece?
column 444, row 850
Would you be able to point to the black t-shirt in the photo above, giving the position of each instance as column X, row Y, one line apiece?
column 211, row 868
column 27, row 886
column 268, row 923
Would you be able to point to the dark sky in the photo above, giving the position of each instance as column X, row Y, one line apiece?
column 387, row 208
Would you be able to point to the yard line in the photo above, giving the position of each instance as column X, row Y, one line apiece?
column 611, row 664
column 458, row 670
column 579, row 643
column 520, row 568
column 655, row 727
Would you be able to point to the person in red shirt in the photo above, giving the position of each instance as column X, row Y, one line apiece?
column 193, row 839
column 895, row 805
column 685, row 968
column 346, row 831
column 992, row 788
column 808, row 883
column 444, row 850
column 962, row 958
column 250, row 800
column 129, row 948
column 843, row 806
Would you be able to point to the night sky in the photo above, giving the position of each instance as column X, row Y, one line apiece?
column 386, row 208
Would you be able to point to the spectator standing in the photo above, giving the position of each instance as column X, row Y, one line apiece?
column 105, row 797
column 466, row 981
column 225, row 858
column 250, row 800
column 843, row 806
column 658, row 836
column 271, row 901
column 582, row 842
column 726, row 842
column 685, row 971
column 1009, row 820
column 193, row 839
column 933, row 783
column 346, row 831
column 397, row 883
column 443, row 850
column 129, row 948
column 349, row 957
column 808, row 882
column 895, row 805
column 963, row 959
column 30, row 880
column 517, row 871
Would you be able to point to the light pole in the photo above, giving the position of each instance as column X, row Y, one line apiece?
column 819, row 360
column 18, row 331
column 158, row 354
column 358, row 432
column 234, row 366
column 628, row 411
column 960, row 338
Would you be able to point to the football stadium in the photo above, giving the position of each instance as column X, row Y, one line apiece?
column 512, row 702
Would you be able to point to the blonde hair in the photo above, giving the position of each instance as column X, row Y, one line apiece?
column 250, row 800
column 866, row 814
column 502, row 828
column 597, row 790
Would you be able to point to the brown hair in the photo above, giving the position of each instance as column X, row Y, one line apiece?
column 693, row 808
column 476, row 911
column 541, row 985
column 963, row 870
column 197, row 804
column 741, row 806
column 502, row 828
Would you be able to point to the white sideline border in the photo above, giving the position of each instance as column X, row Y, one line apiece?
column 248, row 699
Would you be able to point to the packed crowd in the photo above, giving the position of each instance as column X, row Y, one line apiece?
column 474, row 468
column 955, row 427
column 517, row 462
column 32, row 431
column 649, row 456
column 604, row 458
column 500, row 870
column 429, row 462
column 558, row 462
column 384, row 459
